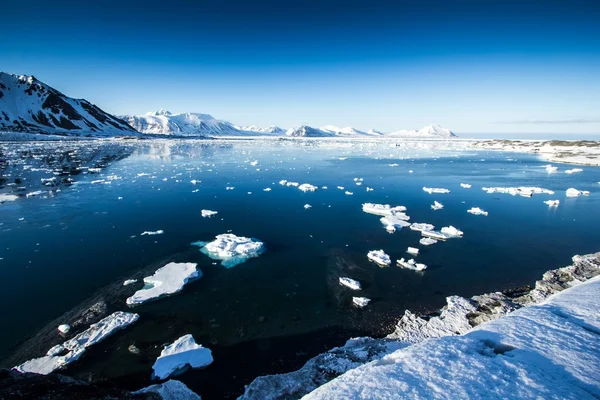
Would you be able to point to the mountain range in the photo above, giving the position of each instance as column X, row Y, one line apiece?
column 29, row 105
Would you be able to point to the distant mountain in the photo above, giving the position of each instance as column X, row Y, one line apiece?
column 29, row 105
column 430, row 131
column 163, row 122
column 271, row 129
column 347, row 131
column 307, row 131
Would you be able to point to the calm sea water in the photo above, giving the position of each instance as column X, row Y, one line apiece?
column 273, row 312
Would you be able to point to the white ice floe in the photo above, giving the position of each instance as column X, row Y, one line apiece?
column 551, row 169
column 465, row 185
column 340, row 187
column 7, row 197
column 417, row 226
column 379, row 257
column 254, row 163
column 267, row 189
column 477, row 211
column 283, row 182
column 208, row 213
column 64, row 328
column 294, row 184
column 411, row 264
column 348, row 193
column 394, row 221
column 435, row 190
column 229, row 187
column 170, row 390
column 427, row 241
column 62, row 355
column 382, row 209
column 307, row 187
column 525, row 191
column 451, row 231
column 412, row 250
column 307, row 206
column 231, row 249
column 36, row 193
column 129, row 282
column 390, row 228
column 360, row 302
column 179, row 355
column 552, row 203
column 572, row 192
column 369, row 189
column 573, row 171
column 150, row 233
column 350, row 283
column 167, row 280
column 437, row 206
column 194, row 182
column 434, row 235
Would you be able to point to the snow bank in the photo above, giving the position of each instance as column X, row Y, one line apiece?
column 350, row 283
column 232, row 250
column 167, row 280
column 181, row 354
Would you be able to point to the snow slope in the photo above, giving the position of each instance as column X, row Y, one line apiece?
column 29, row 105
column 549, row 350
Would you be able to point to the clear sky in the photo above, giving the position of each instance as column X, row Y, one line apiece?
column 472, row 66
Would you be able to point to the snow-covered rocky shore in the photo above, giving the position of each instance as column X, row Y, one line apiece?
column 551, row 338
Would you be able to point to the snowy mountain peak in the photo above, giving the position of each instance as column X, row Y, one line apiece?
column 436, row 130
column 163, row 122
column 254, row 128
column 162, row 111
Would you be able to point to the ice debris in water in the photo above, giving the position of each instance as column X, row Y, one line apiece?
column 451, row 231
column 208, row 213
column 379, row 257
column 181, row 354
column 231, row 249
column 477, row 211
column 552, row 203
column 64, row 328
column 7, row 197
column 411, row 264
column 62, row 355
column 166, row 280
column 572, row 192
column 437, row 206
column 550, row 168
column 267, row 189
column 412, row 250
column 307, row 206
column 427, row 241
column 465, row 185
column 348, row 193
column 150, row 233
column 573, row 171
column 382, row 209
column 307, row 187
column 351, row 283
column 360, row 302
column 417, row 226
column 393, row 221
column 435, row 190
column 525, row 191
column 129, row 282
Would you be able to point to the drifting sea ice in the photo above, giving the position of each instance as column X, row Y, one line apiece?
column 427, row 241
column 382, row 209
column 394, row 221
column 572, row 192
column 552, row 203
column 435, row 190
column 231, row 250
column 451, row 231
column 411, row 264
column 7, row 197
column 379, row 257
column 465, row 185
column 477, row 211
column 307, row 206
column 413, row 250
column 419, row 227
column 208, row 213
column 129, row 282
column 437, row 206
column 525, row 191
column 348, row 193
column 360, row 302
column 181, row 354
column 64, row 328
column 307, row 187
column 350, row 283
column 150, row 233
column 550, row 168
column 167, row 280
column 434, row 235
column 573, row 171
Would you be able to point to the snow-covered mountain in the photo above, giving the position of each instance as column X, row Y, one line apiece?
column 430, row 131
column 29, row 105
column 307, row 131
column 163, row 122
column 273, row 129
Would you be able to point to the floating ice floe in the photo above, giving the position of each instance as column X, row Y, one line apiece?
column 254, row 163
column 550, row 168
column 412, row 250
column 370, row 189
column 437, row 206
column 434, row 235
column 465, row 185
column 382, row 209
column 477, row 211
column 179, row 355
column 129, row 282
column 64, row 328
column 231, row 250
column 417, row 226
column 229, row 187
column 150, row 233
column 167, row 280
column 62, row 355
column 360, row 302
column 552, row 203
column 390, row 228
column 36, row 193
column 7, row 197
column 267, row 189
column 307, row 206
column 348, row 193
column 572, row 192
column 307, row 187
column 435, row 190
column 525, row 191
column 340, row 187
column 573, row 171
column 350, row 283
column 283, row 182
column 427, row 241
column 379, row 257
column 394, row 221
column 411, row 264
column 294, row 184
column 451, row 231
column 208, row 213
column 194, row 182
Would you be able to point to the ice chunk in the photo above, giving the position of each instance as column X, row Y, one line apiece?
column 158, row 232
column 129, row 282
column 525, row 191
column 412, row 250
column 451, row 231
column 348, row 193
column 181, row 354
column 437, row 206
column 351, row 283
column 64, row 328
column 167, row 280
column 390, row 228
column 416, row 226
column 552, row 203
column 7, row 197
column 76, row 346
column 434, row 235
column 411, row 264
column 477, row 211
column 307, row 187
column 572, row 192
column 427, row 241
column 573, row 171
column 170, row 390
column 465, row 185
column 550, row 169
column 294, row 184
column 36, row 193
column 379, row 257
column 209, row 213
column 231, row 249
column 194, row 182
column 435, row 190
column 360, row 302
column 382, row 209
column 254, row 163
column 394, row 221
column 307, row 206
column 283, row 182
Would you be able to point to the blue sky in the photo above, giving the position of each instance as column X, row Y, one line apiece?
column 473, row 66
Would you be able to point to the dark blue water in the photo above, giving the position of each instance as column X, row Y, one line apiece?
column 55, row 252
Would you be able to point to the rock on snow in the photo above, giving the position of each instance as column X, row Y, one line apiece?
column 166, row 280
column 182, row 353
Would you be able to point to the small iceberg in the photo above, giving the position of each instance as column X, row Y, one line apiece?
column 307, row 206
column 434, row 235
column 208, row 213
column 552, row 203
column 411, row 264
column 382, row 209
column 437, row 206
column 572, row 192
column 379, row 257
column 451, row 231
column 394, row 221
column 360, row 302
column 267, row 189
column 129, row 282
column 179, row 355
column 348, row 193
column 231, row 250
column 420, row 227
column 465, row 185
column 167, row 280
column 307, row 187
column 551, row 169
column 573, row 171
column 427, row 241
column 525, row 191
column 151, row 233
column 7, row 197
column 413, row 250
column 435, row 190
column 477, row 211
column 350, row 283
column 64, row 328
